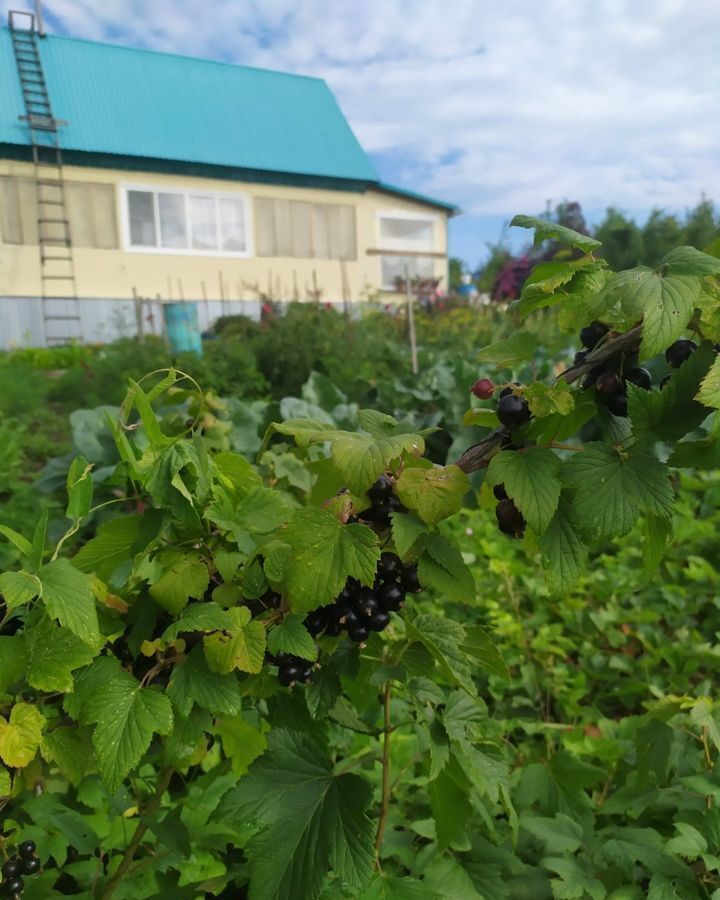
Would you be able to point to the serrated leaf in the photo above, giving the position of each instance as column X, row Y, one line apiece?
column 446, row 876
column 479, row 646
column 709, row 392
column 563, row 551
column 192, row 682
column 444, row 639
column 79, row 487
column 433, row 494
column 532, row 480
column 550, row 231
column 510, row 351
column 184, row 576
column 576, row 879
column 126, row 716
column 292, row 637
column 68, row 597
column 612, row 489
column 406, row 529
column 54, row 653
column 66, row 749
column 658, row 532
column 559, row 834
column 450, row 803
column 689, row 261
column 442, row 567
column 13, row 660
column 242, row 743
column 667, row 315
column 325, row 553
column 240, row 646
column 311, row 820
column 198, row 617
column 5, row 782
column 384, row 888
column 485, row 418
column 18, row 588
column 110, row 547
column 361, row 458
column 20, row 736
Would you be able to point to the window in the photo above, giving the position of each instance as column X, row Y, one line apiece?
column 301, row 230
column 180, row 222
column 90, row 210
column 406, row 234
column 393, row 268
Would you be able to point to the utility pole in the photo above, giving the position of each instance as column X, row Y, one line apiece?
column 39, row 18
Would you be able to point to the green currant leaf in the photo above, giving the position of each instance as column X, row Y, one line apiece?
column 184, row 576
column 79, row 489
column 510, row 351
column 18, row 588
column 532, row 480
column 110, row 548
column 199, row 617
column 193, row 682
column 13, row 660
column 240, row 646
column 291, row 636
column 433, row 494
column 68, row 597
column 65, row 748
column 563, row 551
column 20, row 736
column 53, row 653
column 442, row 567
column 550, row 231
column 406, row 529
column 689, row 261
column 444, row 639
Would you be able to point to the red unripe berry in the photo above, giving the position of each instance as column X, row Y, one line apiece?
column 483, row 389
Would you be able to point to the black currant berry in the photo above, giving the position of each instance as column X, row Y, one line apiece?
column 500, row 492
column 510, row 519
column 334, row 628
column 368, row 605
column 14, row 886
column 591, row 378
column 271, row 599
column 639, row 377
column 12, row 868
column 580, row 357
column 391, row 596
column 609, row 383
column 409, row 580
column 316, row 621
column 358, row 634
column 617, row 404
column 31, row 866
column 27, row 849
column 389, row 566
column 592, row 333
column 665, row 381
column 677, row 353
column 287, row 675
column 379, row 621
column 381, row 490
column 352, row 619
column 513, row 411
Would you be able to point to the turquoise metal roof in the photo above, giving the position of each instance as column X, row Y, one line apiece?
column 137, row 103
column 421, row 198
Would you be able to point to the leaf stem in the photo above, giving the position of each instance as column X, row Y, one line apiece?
column 137, row 837
column 385, row 793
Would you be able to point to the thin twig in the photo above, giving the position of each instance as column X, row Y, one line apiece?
column 136, row 839
column 385, row 796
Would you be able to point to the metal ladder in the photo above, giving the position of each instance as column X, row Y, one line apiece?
column 62, row 322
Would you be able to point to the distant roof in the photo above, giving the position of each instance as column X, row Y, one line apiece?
column 139, row 103
column 421, row 198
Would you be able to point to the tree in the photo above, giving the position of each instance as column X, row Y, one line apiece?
column 456, row 268
column 660, row 234
column 701, row 226
column 621, row 240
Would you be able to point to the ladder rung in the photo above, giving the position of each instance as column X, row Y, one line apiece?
column 50, row 202
column 54, row 242
column 64, row 259
column 58, row 277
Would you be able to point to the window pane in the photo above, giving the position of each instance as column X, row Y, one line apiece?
column 171, row 208
column 265, row 227
column 142, row 219
column 393, row 268
column 406, row 234
column 203, row 227
column 232, row 224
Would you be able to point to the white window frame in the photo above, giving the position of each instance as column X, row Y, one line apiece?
column 156, row 189
column 398, row 251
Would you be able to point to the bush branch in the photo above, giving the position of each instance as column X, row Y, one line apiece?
column 385, row 794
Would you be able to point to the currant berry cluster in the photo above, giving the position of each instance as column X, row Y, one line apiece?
column 25, row 863
column 358, row 610
column 510, row 519
column 611, row 379
column 292, row 669
column 512, row 410
column 383, row 502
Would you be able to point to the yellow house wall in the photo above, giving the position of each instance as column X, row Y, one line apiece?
column 116, row 273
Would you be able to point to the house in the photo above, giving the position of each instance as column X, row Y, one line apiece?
column 129, row 174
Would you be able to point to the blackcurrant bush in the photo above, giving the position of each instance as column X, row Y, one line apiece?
column 31, row 866
column 513, row 411
column 352, row 619
column 609, row 383
column 409, row 580
column 389, row 566
column 483, row 388
column 27, row 849
column 12, row 868
column 640, row 377
column 592, row 333
column 580, row 357
column 334, row 628
column 379, row 621
column 591, row 378
column 14, row 886
column 305, row 674
column 500, row 492
column 391, row 596
column 287, row 675
column 395, row 505
column 677, row 353
column 617, row 404
column 665, row 381
column 358, row 634
column 381, row 490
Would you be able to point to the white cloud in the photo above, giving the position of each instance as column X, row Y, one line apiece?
column 496, row 107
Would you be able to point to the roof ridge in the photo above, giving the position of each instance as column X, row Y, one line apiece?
column 199, row 59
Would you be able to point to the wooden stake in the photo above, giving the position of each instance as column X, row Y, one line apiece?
column 411, row 322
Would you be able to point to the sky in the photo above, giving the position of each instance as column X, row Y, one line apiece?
column 499, row 108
